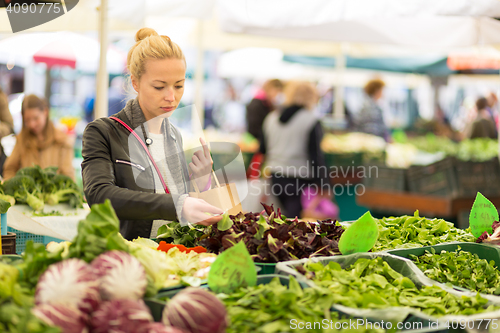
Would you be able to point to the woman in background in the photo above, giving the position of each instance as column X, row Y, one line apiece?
column 6, row 125
column 39, row 142
column 291, row 144
column 371, row 117
column 484, row 126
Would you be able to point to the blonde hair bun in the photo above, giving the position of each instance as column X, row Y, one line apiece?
column 150, row 45
column 144, row 33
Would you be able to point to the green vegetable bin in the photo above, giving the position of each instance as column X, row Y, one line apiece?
column 10, row 259
column 157, row 304
column 265, row 268
column 483, row 251
column 401, row 314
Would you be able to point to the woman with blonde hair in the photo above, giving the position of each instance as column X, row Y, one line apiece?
column 291, row 144
column 39, row 142
column 135, row 158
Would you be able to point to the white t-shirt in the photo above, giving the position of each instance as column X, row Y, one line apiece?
column 157, row 150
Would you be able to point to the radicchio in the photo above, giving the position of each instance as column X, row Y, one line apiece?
column 494, row 238
column 71, row 282
column 121, row 315
column 121, row 276
column 69, row 319
column 196, row 310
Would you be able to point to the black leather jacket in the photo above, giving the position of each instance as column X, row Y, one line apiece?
column 107, row 173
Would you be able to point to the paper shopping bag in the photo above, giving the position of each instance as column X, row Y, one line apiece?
column 224, row 196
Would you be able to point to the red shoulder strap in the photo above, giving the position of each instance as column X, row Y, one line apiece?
column 145, row 149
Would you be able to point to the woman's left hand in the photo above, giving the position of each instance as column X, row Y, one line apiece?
column 201, row 166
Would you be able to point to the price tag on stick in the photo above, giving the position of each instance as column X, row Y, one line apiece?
column 482, row 215
column 232, row 269
column 361, row 236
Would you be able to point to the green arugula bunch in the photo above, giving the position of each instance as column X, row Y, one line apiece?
column 415, row 231
column 272, row 308
column 373, row 284
column 460, row 268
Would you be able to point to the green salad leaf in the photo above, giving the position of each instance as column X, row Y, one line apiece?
column 415, row 231
column 274, row 308
column 460, row 268
column 373, row 284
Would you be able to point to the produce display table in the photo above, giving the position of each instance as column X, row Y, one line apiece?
column 407, row 203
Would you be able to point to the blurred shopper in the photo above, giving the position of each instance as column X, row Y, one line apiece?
column 117, row 98
column 484, row 126
column 6, row 125
column 371, row 118
column 493, row 108
column 291, row 144
column 39, row 142
column 260, row 106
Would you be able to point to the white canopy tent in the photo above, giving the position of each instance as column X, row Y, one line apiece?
column 427, row 26
column 421, row 23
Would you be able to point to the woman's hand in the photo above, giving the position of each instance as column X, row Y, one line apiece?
column 201, row 166
column 195, row 211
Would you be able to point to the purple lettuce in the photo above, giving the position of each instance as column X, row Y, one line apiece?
column 269, row 239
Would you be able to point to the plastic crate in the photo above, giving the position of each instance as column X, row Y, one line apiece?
column 345, row 159
column 386, row 178
column 483, row 251
column 401, row 265
column 473, row 177
column 9, row 243
column 23, row 237
column 438, row 179
column 11, row 259
column 265, row 268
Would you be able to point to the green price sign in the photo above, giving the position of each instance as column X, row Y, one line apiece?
column 233, row 268
column 482, row 216
column 361, row 236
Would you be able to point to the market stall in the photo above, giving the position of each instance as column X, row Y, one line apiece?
column 259, row 272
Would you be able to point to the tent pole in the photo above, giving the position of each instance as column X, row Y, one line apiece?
column 338, row 107
column 199, row 77
column 101, row 102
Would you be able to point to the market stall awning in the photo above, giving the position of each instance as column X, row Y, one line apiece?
column 59, row 48
column 421, row 65
column 439, row 24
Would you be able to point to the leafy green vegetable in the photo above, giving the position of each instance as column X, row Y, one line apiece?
column 373, row 284
column 477, row 150
column 415, row 231
column 460, row 268
column 98, row 233
column 174, row 233
column 34, row 186
column 4, row 206
column 8, row 198
column 15, row 305
column 36, row 259
column 24, row 189
column 274, row 308
column 51, row 213
column 225, row 223
column 170, row 269
column 272, row 238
